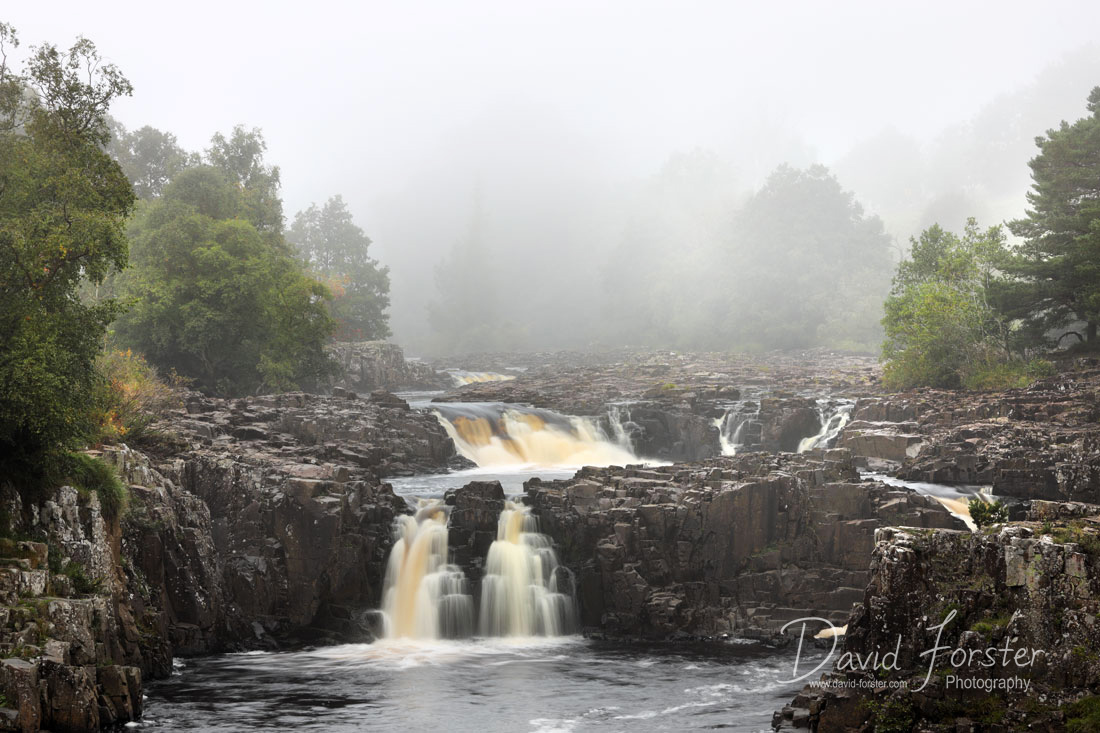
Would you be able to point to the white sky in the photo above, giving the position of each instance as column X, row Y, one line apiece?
column 404, row 107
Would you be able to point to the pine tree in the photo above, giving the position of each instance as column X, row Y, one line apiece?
column 1054, row 277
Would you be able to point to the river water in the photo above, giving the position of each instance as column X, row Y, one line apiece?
column 538, row 686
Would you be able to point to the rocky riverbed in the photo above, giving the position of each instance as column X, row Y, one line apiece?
column 266, row 523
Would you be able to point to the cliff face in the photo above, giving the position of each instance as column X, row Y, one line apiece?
column 1032, row 586
column 270, row 526
column 732, row 544
column 369, row 365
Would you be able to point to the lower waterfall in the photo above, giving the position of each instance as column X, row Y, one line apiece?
column 525, row 592
column 423, row 597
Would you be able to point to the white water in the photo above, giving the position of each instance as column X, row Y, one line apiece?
column 462, row 377
column 833, row 420
column 495, row 435
column 423, row 597
column 956, row 499
column 731, row 426
column 524, row 592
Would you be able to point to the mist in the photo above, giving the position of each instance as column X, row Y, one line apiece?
column 576, row 175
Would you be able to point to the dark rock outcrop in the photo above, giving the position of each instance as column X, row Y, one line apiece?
column 369, row 365
column 1032, row 586
column 267, row 525
column 736, row 544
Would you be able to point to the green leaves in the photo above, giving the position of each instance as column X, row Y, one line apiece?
column 63, row 204
column 1054, row 279
column 940, row 328
column 336, row 250
column 217, row 299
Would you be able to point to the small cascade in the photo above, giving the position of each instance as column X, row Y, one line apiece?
column 734, row 425
column 834, row 416
column 618, row 418
column 424, row 597
column 508, row 435
column 462, row 377
column 525, row 592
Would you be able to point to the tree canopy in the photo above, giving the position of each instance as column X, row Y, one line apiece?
column 941, row 330
column 337, row 251
column 212, row 296
column 1054, row 277
column 805, row 266
column 63, row 208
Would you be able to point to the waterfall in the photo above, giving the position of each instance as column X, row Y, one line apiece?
column 833, row 420
column 461, row 377
column 733, row 424
column 525, row 592
column 508, row 435
column 423, row 596
column 619, row 423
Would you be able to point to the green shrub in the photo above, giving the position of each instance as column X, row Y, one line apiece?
column 984, row 513
column 130, row 399
column 1007, row 375
column 82, row 584
column 1083, row 716
column 93, row 475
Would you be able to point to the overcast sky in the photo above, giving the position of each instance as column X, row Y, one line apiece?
column 389, row 103
column 360, row 94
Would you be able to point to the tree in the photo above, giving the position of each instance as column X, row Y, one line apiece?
column 805, row 266
column 214, row 299
column 334, row 248
column 940, row 327
column 241, row 158
column 148, row 157
column 63, row 207
column 1055, row 276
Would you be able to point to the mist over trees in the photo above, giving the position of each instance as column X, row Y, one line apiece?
column 337, row 251
column 648, row 249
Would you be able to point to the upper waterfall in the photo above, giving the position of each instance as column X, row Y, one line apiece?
column 508, row 435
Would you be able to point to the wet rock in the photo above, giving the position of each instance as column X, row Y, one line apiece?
column 725, row 545
column 366, row 366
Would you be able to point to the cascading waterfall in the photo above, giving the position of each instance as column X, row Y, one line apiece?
column 525, row 592
column 424, row 597
column 733, row 423
column 506, row 435
column 833, row 420
column 462, row 377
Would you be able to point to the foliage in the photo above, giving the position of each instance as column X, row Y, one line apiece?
column 241, row 158
column 130, row 399
column 215, row 298
column 149, row 158
column 1014, row 374
column 467, row 316
column 1083, row 716
column 63, row 205
column 93, row 475
column 940, row 327
column 986, row 513
column 1054, row 278
column 336, row 250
